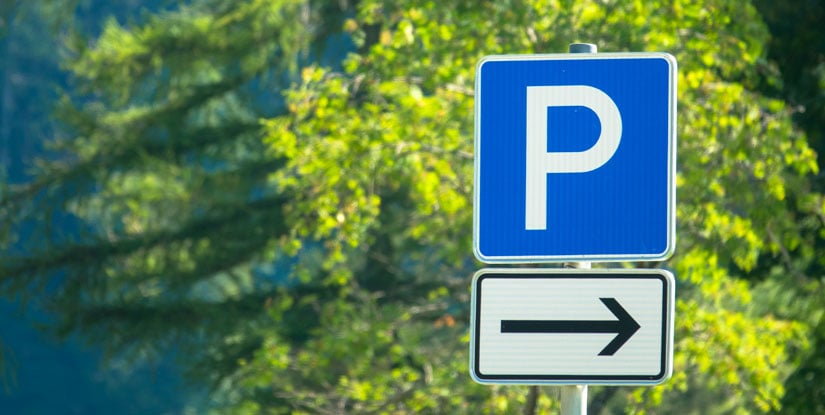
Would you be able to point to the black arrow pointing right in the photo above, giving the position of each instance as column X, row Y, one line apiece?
column 625, row 327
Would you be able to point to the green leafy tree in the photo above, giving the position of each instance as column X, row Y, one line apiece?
column 797, row 47
column 299, row 222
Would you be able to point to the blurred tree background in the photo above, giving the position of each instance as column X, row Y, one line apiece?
column 279, row 193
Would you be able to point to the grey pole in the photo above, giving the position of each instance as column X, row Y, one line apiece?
column 574, row 397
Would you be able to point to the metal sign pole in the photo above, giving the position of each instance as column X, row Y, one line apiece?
column 574, row 400
column 574, row 397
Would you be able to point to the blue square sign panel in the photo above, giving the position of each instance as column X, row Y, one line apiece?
column 575, row 157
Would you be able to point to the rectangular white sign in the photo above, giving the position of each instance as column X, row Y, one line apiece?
column 571, row 326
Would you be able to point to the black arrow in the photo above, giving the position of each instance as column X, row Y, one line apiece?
column 624, row 327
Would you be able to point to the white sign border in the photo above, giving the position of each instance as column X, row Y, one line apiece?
column 669, row 299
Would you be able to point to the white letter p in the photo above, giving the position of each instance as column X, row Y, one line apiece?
column 540, row 162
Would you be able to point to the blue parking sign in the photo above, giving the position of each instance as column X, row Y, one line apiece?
column 575, row 157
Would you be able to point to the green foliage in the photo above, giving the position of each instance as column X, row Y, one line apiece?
column 168, row 171
column 797, row 48
column 318, row 260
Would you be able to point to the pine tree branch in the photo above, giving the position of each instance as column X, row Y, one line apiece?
column 17, row 273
